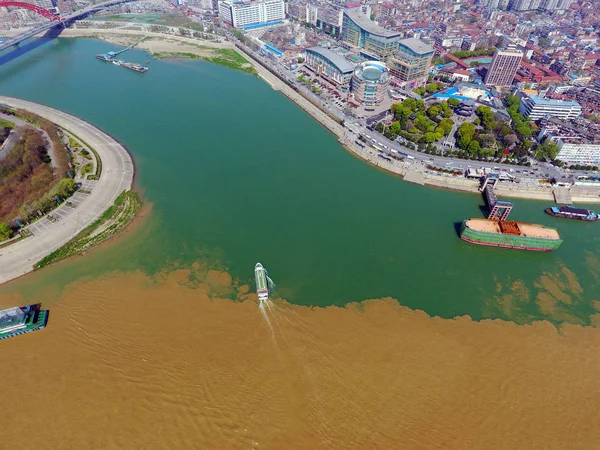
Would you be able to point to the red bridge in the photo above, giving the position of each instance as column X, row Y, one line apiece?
column 44, row 12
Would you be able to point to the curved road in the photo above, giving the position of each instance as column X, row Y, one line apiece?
column 117, row 175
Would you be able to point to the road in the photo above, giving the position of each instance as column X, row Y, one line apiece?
column 117, row 175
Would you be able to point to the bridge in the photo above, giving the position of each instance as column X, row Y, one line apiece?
column 55, row 21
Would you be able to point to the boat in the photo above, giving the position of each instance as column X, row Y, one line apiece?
column 262, row 288
column 509, row 234
column 117, row 63
column 134, row 66
column 21, row 320
column 105, row 57
column 570, row 212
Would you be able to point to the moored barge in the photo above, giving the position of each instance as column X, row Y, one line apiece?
column 135, row 67
column 569, row 212
column 509, row 234
column 21, row 320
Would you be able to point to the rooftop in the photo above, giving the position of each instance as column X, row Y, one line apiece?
column 356, row 15
column 544, row 101
column 417, row 46
column 343, row 65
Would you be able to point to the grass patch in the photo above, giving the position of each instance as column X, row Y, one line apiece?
column 6, row 124
column 112, row 221
column 95, row 176
column 223, row 57
column 87, row 169
column 85, row 154
column 73, row 143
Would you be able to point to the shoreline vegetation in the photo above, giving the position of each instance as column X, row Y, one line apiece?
column 114, row 220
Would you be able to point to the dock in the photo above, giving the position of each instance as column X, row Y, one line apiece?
column 562, row 195
column 497, row 209
column 128, row 48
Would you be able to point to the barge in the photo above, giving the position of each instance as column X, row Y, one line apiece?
column 509, row 234
column 21, row 320
column 569, row 212
column 262, row 287
column 135, row 67
column 105, row 57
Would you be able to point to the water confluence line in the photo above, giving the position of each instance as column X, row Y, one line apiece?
column 117, row 176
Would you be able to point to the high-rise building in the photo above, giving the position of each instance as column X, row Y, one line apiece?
column 252, row 14
column 410, row 66
column 359, row 31
column 370, row 82
column 503, row 67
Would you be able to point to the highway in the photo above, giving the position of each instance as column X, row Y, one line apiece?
column 52, row 24
column 117, row 175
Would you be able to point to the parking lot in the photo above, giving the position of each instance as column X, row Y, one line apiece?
column 58, row 216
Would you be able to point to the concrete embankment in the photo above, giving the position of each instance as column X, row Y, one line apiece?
column 411, row 171
column 117, row 176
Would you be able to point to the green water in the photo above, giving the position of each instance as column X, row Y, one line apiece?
column 238, row 174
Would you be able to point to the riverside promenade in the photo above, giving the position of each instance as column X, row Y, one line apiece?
column 117, row 176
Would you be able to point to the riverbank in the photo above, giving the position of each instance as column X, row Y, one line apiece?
column 95, row 197
column 410, row 171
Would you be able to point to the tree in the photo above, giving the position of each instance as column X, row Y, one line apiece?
column 5, row 231
column 466, row 131
column 433, row 111
column 446, row 126
column 300, row 59
column 453, row 102
column 510, row 139
column 487, row 117
column 473, row 147
column 395, row 127
column 431, row 137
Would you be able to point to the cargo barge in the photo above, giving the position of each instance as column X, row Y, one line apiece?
column 262, row 288
column 21, row 320
column 569, row 212
column 135, row 67
column 508, row 234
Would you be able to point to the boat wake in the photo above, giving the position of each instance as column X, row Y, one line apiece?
column 266, row 307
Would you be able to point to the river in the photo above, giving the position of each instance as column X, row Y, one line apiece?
column 235, row 173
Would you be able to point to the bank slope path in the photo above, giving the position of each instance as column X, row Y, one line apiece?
column 117, row 176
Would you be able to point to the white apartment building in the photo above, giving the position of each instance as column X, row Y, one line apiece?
column 247, row 15
column 582, row 154
column 535, row 107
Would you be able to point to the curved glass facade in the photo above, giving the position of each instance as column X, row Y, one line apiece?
column 370, row 82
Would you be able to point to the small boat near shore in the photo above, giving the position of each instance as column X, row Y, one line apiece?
column 569, row 212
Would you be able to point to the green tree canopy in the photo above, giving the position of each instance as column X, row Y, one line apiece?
column 5, row 231
column 466, row 131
